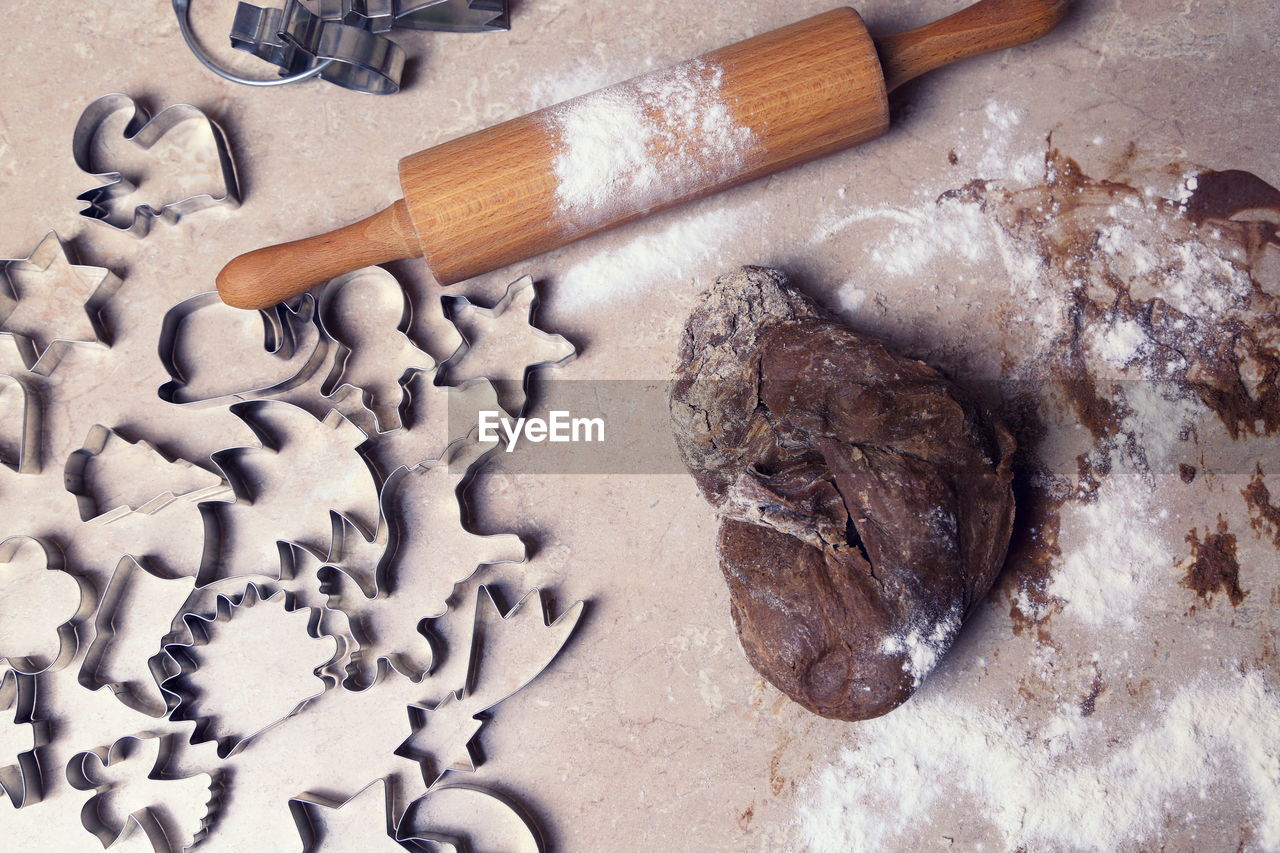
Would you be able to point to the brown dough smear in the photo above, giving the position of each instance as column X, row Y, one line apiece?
column 865, row 499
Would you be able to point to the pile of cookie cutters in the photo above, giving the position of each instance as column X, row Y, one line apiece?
column 342, row 41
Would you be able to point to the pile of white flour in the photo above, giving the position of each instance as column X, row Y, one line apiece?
column 1062, row 785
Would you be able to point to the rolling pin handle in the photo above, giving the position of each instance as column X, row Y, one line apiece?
column 981, row 28
column 267, row 276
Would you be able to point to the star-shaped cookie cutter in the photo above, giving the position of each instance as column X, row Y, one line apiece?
column 520, row 295
column 42, row 355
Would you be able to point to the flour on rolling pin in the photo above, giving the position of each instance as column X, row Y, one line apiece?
column 645, row 142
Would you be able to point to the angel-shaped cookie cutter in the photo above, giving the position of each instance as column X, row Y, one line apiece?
column 152, row 821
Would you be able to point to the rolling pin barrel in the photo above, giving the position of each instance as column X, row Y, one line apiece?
column 542, row 181
column 547, row 179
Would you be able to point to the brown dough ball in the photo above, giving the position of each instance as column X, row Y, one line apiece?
column 866, row 501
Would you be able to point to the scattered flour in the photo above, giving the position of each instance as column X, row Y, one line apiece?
column 1113, row 548
column 1073, row 783
column 576, row 78
column 1160, row 420
column 1118, row 344
column 851, row 297
column 653, row 139
column 690, row 242
column 1197, row 277
column 909, row 241
column 948, row 229
column 1003, row 153
column 924, row 645
column 1116, row 545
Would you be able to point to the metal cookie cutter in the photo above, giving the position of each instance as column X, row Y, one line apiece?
column 452, row 16
column 144, row 131
column 205, row 485
column 341, row 41
column 23, row 457
column 297, row 39
column 525, row 634
column 470, row 819
column 444, row 820
column 16, row 553
column 24, row 316
column 425, row 498
column 21, row 781
column 117, row 657
column 182, row 8
column 93, row 770
column 326, row 823
column 177, row 688
column 475, row 356
column 375, row 363
column 291, row 337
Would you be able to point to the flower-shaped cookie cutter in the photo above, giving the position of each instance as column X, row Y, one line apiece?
column 31, row 662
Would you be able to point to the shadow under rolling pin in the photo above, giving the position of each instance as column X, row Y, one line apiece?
column 544, row 180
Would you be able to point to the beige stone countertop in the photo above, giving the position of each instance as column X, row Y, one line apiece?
column 1094, row 700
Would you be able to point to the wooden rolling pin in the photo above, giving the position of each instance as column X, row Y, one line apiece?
column 539, row 182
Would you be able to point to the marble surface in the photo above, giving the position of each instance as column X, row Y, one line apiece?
column 651, row 731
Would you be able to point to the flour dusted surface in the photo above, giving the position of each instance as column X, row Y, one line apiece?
column 1125, row 714
column 660, row 256
column 645, row 142
column 1069, row 784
